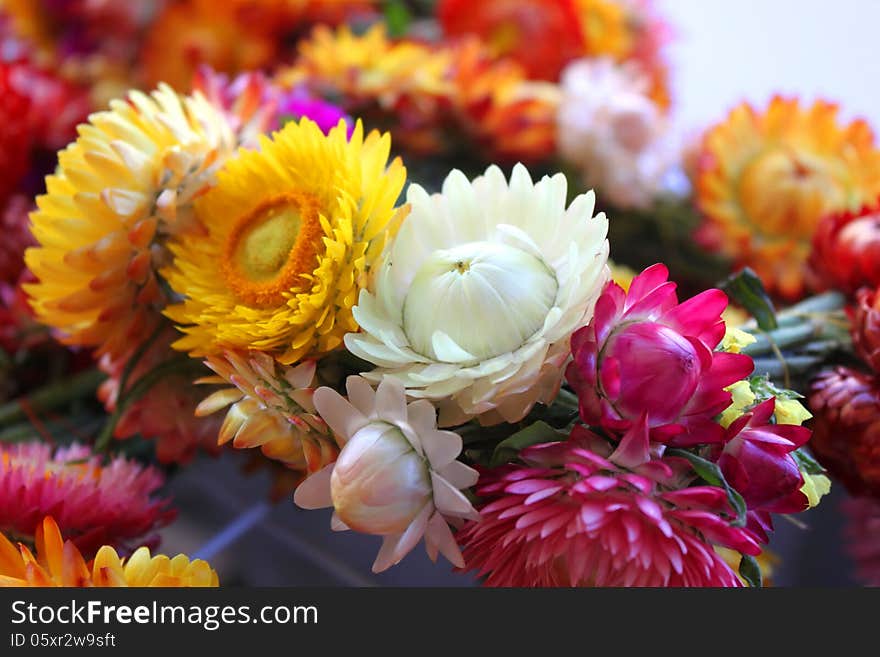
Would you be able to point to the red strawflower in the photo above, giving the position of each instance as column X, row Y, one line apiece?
column 646, row 355
column 865, row 327
column 846, row 427
column 582, row 513
column 15, row 132
column 93, row 504
column 846, row 251
column 542, row 35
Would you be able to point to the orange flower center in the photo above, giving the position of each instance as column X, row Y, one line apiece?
column 784, row 192
column 271, row 248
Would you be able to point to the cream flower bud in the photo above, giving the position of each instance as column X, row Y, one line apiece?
column 379, row 483
column 489, row 297
column 397, row 475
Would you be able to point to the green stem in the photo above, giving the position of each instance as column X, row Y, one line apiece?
column 51, row 396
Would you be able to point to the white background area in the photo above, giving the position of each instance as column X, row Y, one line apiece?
column 725, row 51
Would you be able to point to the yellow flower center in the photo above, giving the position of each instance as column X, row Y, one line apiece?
column 271, row 247
column 784, row 192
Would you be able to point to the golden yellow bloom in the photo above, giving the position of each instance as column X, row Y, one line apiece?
column 735, row 339
column 765, row 179
column 375, row 77
column 606, row 29
column 423, row 88
column 791, row 411
column 293, row 230
column 59, row 563
column 815, row 487
column 742, row 398
column 121, row 189
column 622, row 275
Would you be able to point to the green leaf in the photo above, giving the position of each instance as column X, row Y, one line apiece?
column 751, row 571
column 397, row 17
column 746, row 289
column 539, row 432
column 806, row 463
column 711, row 474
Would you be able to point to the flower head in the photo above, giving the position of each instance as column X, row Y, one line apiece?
column 270, row 407
column 123, row 187
column 766, row 178
column 610, row 129
column 846, row 251
column 95, row 504
column 646, row 355
column 846, row 427
column 293, row 230
column 396, row 476
column 478, row 295
column 59, row 563
column 574, row 515
column 756, row 460
column 865, row 327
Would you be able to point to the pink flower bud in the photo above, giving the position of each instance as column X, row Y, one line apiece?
column 379, row 483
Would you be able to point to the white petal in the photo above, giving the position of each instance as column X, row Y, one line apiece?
column 447, row 349
column 450, row 501
column 438, row 536
column 391, row 401
column 361, row 395
column 459, row 475
column 342, row 417
column 394, row 548
column 422, row 416
column 314, row 492
column 442, row 447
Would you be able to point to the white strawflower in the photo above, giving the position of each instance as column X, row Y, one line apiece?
column 612, row 131
column 396, row 476
column 477, row 297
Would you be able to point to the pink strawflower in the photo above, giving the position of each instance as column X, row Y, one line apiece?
column 584, row 513
column 254, row 105
column 863, row 537
column 756, row 460
column 646, row 354
column 93, row 504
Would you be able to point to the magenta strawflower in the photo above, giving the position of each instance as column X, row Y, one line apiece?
column 584, row 513
column 644, row 354
column 93, row 504
column 756, row 460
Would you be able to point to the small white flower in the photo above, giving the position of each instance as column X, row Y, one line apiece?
column 609, row 128
column 477, row 297
column 396, row 476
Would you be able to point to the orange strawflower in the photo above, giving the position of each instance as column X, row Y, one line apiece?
column 764, row 179
column 58, row 563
